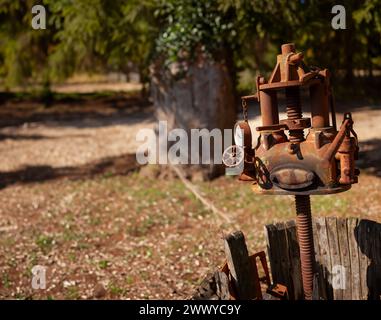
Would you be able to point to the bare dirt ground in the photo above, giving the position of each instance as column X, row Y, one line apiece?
column 70, row 134
column 73, row 201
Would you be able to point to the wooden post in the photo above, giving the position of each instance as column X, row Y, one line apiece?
column 283, row 251
column 348, row 262
column 354, row 257
column 348, row 257
column 323, row 259
column 222, row 285
column 334, row 251
column 240, row 265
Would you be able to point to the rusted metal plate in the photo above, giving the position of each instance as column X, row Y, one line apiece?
column 286, row 161
column 318, row 191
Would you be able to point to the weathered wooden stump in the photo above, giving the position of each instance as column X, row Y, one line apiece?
column 348, row 263
column 240, row 265
column 218, row 285
column 348, row 258
column 239, row 278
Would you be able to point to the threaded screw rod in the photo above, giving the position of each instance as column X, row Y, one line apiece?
column 306, row 243
column 294, row 112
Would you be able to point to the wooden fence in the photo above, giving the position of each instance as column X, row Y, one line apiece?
column 348, row 258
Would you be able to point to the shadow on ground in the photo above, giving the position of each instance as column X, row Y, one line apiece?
column 10, row 136
column 72, row 112
column 109, row 166
column 370, row 156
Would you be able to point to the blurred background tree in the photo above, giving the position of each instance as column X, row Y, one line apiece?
column 193, row 76
column 99, row 36
column 24, row 52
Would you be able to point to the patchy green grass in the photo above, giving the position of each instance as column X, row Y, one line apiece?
column 103, row 264
column 145, row 238
column 6, row 282
column 45, row 243
column 116, row 290
column 72, row 293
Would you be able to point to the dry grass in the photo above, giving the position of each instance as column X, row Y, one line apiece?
column 139, row 237
column 79, row 211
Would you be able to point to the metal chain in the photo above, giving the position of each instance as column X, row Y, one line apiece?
column 245, row 112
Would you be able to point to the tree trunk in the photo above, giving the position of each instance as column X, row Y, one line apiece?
column 196, row 96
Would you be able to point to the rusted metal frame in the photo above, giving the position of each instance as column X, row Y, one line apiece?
column 335, row 145
column 275, row 289
column 297, row 165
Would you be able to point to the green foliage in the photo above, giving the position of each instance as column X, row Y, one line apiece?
column 103, row 264
column 368, row 20
column 194, row 27
column 125, row 35
column 23, row 51
column 81, row 35
column 45, row 243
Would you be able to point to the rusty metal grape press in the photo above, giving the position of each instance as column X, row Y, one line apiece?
column 298, row 155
